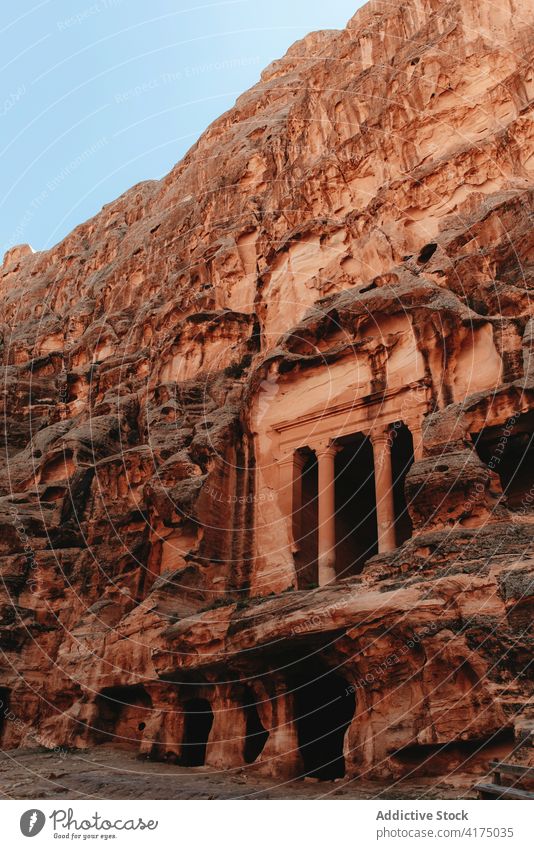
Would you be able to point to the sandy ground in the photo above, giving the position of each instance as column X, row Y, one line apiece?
column 107, row 774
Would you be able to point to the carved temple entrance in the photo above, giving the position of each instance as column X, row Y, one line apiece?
column 341, row 484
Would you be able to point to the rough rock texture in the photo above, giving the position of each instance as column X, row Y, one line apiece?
column 360, row 225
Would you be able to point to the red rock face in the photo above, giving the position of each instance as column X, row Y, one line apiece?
column 303, row 358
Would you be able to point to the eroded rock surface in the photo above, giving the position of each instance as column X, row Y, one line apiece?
column 334, row 281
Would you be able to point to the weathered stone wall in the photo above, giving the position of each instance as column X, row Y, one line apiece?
column 360, row 221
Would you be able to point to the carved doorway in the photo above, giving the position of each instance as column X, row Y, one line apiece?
column 324, row 708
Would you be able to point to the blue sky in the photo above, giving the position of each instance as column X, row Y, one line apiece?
column 97, row 95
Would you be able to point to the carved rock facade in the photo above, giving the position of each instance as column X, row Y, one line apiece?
column 269, row 422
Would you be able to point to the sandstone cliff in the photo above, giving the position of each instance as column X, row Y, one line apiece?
column 349, row 249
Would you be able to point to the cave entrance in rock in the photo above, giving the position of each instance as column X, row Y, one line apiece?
column 4, row 709
column 197, row 726
column 324, row 708
column 509, row 450
column 356, row 529
column 122, row 715
column 256, row 735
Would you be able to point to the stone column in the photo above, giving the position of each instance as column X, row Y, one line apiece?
column 290, row 494
column 385, row 507
column 327, row 514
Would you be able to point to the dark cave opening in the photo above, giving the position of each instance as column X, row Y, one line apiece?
column 402, row 459
column 198, row 723
column 427, row 253
column 324, row 708
column 516, row 472
column 256, row 735
column 509, row 451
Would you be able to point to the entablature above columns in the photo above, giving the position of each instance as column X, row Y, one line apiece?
column 370, row 416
